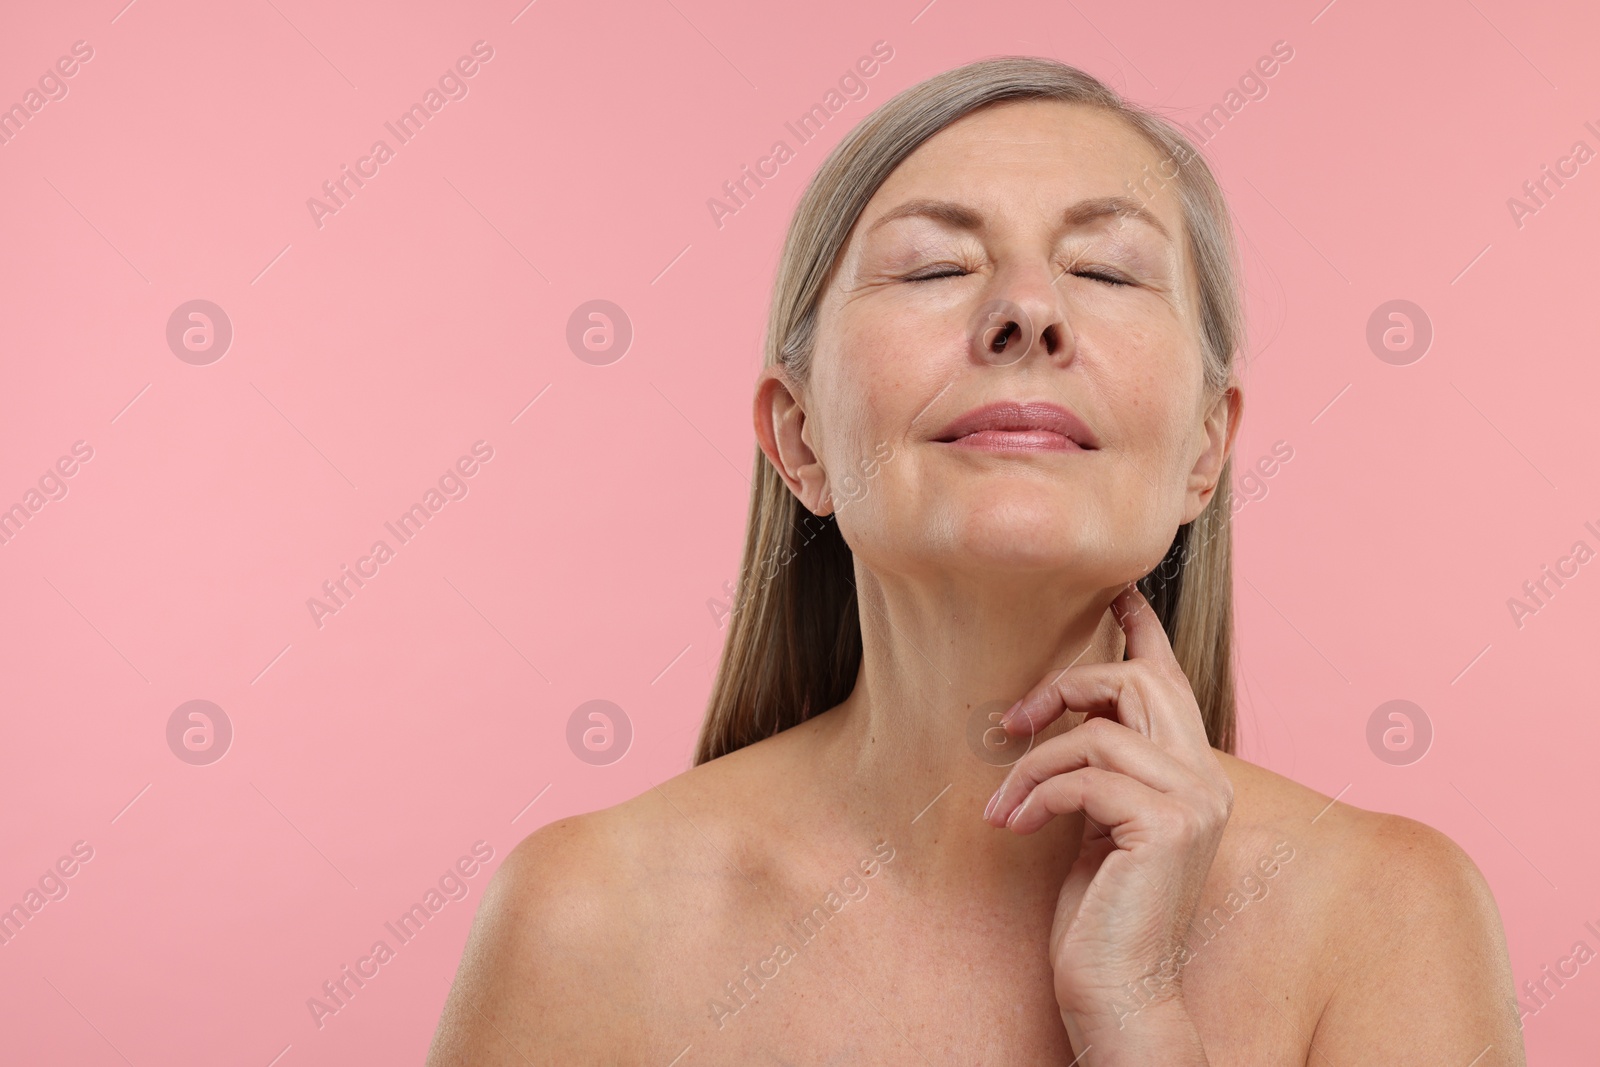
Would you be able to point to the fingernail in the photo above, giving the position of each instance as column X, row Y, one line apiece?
column 1013, row 816
column 1005, row 720
column 988, row 811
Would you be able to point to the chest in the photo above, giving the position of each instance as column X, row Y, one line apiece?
column 879, row 982
column 874, row 991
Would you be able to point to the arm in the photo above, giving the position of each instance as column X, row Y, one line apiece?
column 1429, row 978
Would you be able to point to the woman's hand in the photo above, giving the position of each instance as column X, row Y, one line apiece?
column 1155, row 800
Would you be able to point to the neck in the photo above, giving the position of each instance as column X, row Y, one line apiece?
column 940, row 663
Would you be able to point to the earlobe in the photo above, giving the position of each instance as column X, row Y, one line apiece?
column 784, row 433
column 1220, row 428
column 816, row 491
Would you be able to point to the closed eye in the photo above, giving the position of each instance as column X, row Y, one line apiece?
column 956, row 272
column 1110, row 279
column 944, row 272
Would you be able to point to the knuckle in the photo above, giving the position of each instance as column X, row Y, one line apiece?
column 1022, row 771
column 1096, row 729
column 1197, row 822
column 1040, row 761
column 1171, row 672
column 1058, row 791
column 1175, row 821
column 1152, row 680
column 1217, row 812
column 1086, row 782
column 1222, row 793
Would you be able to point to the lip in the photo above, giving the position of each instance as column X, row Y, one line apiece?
column 1013, row 426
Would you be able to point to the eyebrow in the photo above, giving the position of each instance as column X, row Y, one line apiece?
column 962, row 217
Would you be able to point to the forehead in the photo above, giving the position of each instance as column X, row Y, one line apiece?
column 1031, row 156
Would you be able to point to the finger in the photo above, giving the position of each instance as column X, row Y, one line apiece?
column 1134, row 694
column 1039, row 706
column 1146, row 638
column 1150, row 694
column 1092, row 690
column 1098, row 743
column 1173, row 712
column 1113, row 803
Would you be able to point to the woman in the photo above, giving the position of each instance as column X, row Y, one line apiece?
column 965, row 791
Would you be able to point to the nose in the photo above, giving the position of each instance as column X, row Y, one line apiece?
column 1023, row 312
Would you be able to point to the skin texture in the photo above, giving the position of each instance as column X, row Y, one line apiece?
column 836, row 893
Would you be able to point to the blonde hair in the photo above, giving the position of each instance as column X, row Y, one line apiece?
column 794, row 646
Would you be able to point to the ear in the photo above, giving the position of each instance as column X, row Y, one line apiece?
column 1220, row 427
column 784, row 433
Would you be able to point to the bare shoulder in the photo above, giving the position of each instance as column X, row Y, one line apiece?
column 590, row 916
column 550, row 907
column 1376, row 867
column 1398, row 863
column 1396, row 919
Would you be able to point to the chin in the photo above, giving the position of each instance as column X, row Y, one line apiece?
column 1018, row 515
column 1026, row 539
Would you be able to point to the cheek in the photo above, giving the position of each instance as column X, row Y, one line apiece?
column 1153, row 392
column 850, row 420
column 1148, row 414
column 891, row 515
column 868, row 392
column 1155, row 427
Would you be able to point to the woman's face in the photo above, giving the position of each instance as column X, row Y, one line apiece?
column 1107, row 299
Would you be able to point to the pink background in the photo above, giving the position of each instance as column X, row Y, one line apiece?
column 368, row 354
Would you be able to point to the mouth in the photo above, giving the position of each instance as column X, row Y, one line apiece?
column 1010, row 426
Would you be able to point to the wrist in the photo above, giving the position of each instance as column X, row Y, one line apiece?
column 1162, row 1033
